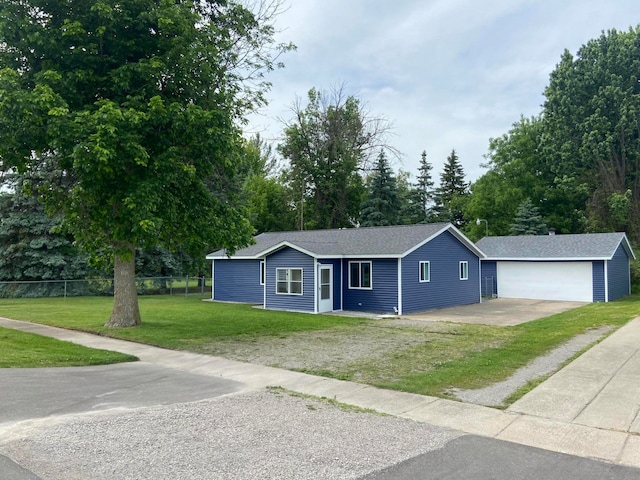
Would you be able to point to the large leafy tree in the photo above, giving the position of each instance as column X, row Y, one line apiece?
column 267, row 198
column 592, row 132
column 382, row 204
column 329, row 144
column 516, row 172
column 136, row 103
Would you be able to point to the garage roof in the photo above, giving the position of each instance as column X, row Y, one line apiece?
column 369, row 242
column 586, row 246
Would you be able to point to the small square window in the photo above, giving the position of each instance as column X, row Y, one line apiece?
column 464, row 270
column 425, row 271
column 360, row 275
column 289, row 281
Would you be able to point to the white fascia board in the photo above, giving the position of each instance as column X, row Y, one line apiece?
column 627, row 246
column 545, row 259
column 282, row 245
column 362, row 257
column 233, row 257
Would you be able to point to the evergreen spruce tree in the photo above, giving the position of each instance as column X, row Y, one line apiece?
column 31, row 247
column 425, row 187
column 452, row 193
column 382, row 206
column 528, row 220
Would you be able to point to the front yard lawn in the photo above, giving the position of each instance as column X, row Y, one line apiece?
column 27, row 350
column 423, row 357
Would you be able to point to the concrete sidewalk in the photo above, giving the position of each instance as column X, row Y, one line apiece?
column 589, row 409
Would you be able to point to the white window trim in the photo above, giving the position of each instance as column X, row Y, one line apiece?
column 466, row 270
column 360, row 262
column 289, row 269
column 263, row 272
column 428, row 263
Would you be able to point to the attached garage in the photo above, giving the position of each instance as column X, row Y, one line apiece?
column 582, row 268
column 571, row 281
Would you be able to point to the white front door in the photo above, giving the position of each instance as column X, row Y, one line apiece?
column 325, row 288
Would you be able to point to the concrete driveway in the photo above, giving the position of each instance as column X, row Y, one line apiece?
column 499, row 311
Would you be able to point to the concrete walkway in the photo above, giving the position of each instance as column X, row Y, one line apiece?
column 589, row 409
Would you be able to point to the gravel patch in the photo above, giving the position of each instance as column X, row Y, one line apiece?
column 261, row 435
column 330, row 349
column 496, row 394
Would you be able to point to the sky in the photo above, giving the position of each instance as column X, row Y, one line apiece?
column 447, row 74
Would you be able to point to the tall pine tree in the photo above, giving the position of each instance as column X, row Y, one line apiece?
column 452, row 193
column 382, row 205
column 528, row 220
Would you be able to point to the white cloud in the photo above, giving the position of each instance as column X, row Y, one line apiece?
column 447, row 73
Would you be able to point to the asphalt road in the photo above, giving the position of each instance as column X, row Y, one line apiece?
column 283, row 425
column 27, row 393
column 479, row 458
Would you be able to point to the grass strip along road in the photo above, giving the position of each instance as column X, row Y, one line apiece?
column 429, row 359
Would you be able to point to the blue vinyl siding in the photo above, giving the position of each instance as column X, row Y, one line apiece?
column 445, row 252
column 618, row 274
column 598, row 281
column 489, row 278
column 384, row 294
column 237, row 281
column 290, row 258
column 337, row 286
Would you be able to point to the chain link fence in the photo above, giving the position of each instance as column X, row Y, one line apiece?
column 200, row 286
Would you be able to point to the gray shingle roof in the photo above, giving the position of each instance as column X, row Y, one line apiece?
column 577, row 246
column 393, row 241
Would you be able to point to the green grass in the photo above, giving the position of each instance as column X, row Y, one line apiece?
column 446, row 355
column 175, row 322
column 483, row 367
column 27, row 350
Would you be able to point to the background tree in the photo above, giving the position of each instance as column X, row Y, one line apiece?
column 528, row 220
column 382, row 206
column 268, row 200
column 592, row 133
column 328, row 145
column 516, row 172
column 31, row 245
column 424, row 187
column 452, row 193
column 136, row 103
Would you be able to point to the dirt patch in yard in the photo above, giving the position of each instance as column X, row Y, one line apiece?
column 363, row 353
column 329, row 349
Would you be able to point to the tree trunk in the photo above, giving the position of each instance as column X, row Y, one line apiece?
column 125, row 297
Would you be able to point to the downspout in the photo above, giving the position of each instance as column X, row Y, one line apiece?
column 213, row 280
column 480, row 277
column 342, row 284
column 399, row 312
column 606, row 280
column 264, row 287
column 315, row 285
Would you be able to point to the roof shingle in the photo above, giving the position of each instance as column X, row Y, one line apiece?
column 393, row 241
column 575, row 246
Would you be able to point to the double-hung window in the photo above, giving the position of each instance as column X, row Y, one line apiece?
column 289, row 281
column 360, row 275
column 425, row 271
column 464, row 270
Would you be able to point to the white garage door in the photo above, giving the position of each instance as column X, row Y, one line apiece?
column 546, row 280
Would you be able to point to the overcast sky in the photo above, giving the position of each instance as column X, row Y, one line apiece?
column 446, row 73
